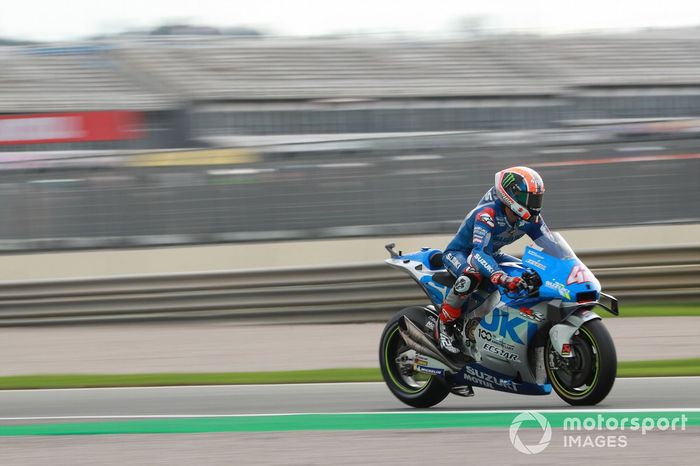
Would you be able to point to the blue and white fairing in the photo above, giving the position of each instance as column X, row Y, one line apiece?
column 506, row 336
column 563, row 275
column 418, row 266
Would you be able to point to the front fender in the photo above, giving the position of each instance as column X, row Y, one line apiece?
column 561, row 333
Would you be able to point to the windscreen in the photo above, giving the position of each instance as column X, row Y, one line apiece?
column 555, row 245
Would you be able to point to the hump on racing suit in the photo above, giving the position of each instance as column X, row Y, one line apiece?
column 484, row 231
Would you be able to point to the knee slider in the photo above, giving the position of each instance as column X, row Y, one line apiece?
column 464, row 285
column 467, row 282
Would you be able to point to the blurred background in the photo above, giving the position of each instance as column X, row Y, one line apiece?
column 296, row 138
column 183, row 131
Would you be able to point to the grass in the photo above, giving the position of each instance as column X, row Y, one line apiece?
column 214, row 378
column 673, row 367
column 654, row 310
column 659, row 368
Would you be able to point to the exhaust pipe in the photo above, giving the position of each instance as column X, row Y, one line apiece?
column 417, row 340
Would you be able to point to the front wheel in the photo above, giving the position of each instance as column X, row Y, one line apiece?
column 587, row 377
column 412, row 388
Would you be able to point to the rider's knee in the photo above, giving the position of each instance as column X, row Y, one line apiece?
column 467, row 282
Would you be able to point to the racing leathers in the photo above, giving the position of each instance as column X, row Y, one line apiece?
column 473, row 256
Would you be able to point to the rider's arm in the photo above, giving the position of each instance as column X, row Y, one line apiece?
column 481, row 257
column 535, row 230
column 481, row 252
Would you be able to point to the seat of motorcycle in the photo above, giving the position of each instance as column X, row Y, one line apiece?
column 435, row 261
column 444, row 278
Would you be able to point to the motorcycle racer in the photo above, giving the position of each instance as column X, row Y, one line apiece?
column 508, row 211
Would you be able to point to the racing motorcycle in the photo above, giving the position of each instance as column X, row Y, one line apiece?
column 544, row 337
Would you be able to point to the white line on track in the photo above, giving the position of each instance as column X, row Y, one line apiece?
column 56, row 181
column 240, row 171
column 639, row 148
column 415, row 172
column 362, row 413
column 410, row 158
column 278, row 385
column 345, row 165
column 563, row 150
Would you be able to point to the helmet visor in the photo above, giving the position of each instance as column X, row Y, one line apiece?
column 530, row 201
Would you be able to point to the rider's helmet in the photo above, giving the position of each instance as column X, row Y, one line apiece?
column 521, row 189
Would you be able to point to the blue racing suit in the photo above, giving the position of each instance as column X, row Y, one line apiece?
column 476, row 246
column 484, row 231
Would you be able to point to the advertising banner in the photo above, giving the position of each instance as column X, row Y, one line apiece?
column 70, row 127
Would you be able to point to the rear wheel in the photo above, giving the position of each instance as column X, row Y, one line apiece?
column 412, row 388
column 587, row 377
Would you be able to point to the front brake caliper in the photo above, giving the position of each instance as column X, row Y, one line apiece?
column 554, row 360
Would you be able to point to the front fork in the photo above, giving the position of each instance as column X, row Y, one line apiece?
column 560, row 334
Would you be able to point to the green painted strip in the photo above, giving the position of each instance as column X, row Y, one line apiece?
column 654, row 310
column 659, row 368
column 297, row 422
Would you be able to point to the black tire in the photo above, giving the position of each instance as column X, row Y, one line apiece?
column 433, row 389
column 590, row 374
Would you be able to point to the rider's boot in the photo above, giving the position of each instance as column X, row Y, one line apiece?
column 450, row 311
column 445, row 336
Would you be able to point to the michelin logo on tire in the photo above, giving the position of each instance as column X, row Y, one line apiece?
column 543, row 423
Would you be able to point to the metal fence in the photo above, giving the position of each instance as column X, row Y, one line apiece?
column 372, row 191
column 358, row 293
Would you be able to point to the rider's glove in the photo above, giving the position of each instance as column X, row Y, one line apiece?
column 511, row 284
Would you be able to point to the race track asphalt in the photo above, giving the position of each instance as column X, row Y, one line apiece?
column 445, row 446
column 632, row 393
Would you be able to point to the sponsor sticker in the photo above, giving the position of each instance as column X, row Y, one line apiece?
column 486, row 218
column 420, row 361
column 488, row 380
column 530, row 314
column 430, row 370
column 484, row 263
column 454, row 261
column 480, row 230
column 495, row 339
column 535, row 254
column 536, row 264
column 506, row 326
column 559, row 287
column 501, row 352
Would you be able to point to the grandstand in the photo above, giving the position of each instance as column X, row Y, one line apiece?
column 270, row 86
column 156, row 73
column 220, row 68
column 229, row 69
column 57, row 79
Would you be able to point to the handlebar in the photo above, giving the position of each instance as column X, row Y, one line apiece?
column 533, row 281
